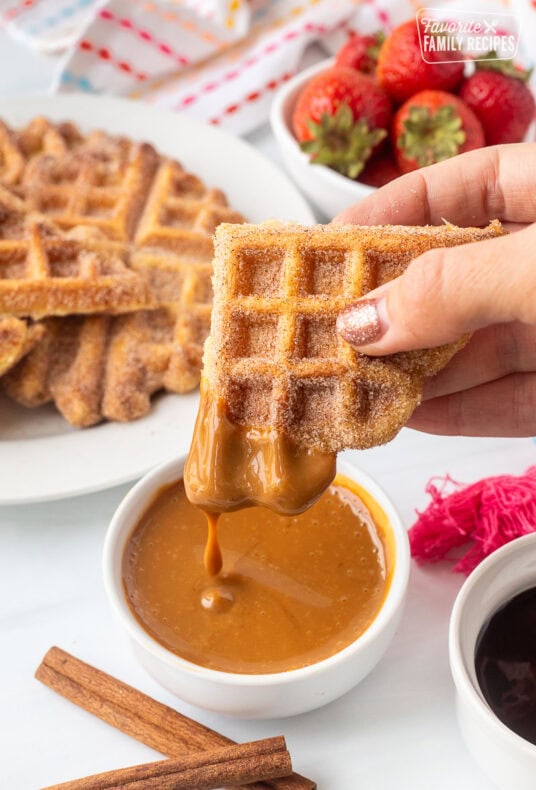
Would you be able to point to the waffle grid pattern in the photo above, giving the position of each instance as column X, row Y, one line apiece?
column 102, row 367
column 17, row 338
column 11, row 157
column 42, row 272
column 120, row 201
column 104, row 188
column 287, row 366
column 274, row 352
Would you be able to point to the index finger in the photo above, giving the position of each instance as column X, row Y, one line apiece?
column 498, row 182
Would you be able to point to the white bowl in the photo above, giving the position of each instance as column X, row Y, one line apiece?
column 328, row 190
column 508, row 759
column 253, row 696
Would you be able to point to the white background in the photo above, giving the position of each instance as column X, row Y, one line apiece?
column 396, row 730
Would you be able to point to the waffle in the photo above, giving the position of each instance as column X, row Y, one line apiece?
column 274, row 355
column 102, row 183
column 45, row 272
column 120, row 195
column 12, row 161
column 66, row 366
column 123, row 188
column 107, row 368
column 17, row 338
column 40, row 136
column 150, row 351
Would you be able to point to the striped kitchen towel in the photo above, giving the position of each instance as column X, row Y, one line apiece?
column 219, row 60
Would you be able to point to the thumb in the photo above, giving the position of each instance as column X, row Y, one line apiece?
column 445, row 293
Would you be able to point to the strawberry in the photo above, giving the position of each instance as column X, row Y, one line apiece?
column 361, row 52
column 432, row 126
column 380, row 170
column 340, row 118
column 499, row 97
column 402, row 71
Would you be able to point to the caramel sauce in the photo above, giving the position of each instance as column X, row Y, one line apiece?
column 212, row 555
column 294, row 589
column 231, row 467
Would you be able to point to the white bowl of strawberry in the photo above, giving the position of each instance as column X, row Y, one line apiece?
column 353, row 123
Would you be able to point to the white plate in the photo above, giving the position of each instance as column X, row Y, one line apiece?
column 41, row 457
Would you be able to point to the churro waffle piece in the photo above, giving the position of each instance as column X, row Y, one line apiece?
column 116, row 196
column 99, row 367
column 67, row 367
column 173, row 247
column 104, row 180
column 181, row 213
column 45, row 272
column 108, row 182
column 12, row 160
column 143, row 352
column 42, row 136
column 169, row 245
column 17, row 338
column 101, row 183
column 150, row 351
column 274, row 355
column 173, row 250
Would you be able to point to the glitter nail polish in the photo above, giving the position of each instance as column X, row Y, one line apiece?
column 360, row 323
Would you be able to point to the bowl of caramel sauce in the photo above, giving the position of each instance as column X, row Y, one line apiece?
column 492, row 648
column 273, row 616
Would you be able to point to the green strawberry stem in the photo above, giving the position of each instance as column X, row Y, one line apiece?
column 430, row 137
column 341, row 143
column 490, row 62
column 374, row 50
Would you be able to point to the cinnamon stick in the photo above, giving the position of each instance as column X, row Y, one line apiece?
column 138, row 715
column 240, row 764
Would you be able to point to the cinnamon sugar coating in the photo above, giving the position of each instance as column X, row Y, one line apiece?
column 101, row 367
column 274, row 354
column 17, row 338
column 148, row 224
column 43, row 271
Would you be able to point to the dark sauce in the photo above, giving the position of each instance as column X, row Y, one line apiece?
column 505, row 660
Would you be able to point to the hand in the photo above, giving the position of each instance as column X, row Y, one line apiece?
column 489, row 288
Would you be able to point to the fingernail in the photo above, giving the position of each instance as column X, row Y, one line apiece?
column 363, row 322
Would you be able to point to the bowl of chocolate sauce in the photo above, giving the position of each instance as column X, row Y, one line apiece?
column 298, row 609
column 492, row 647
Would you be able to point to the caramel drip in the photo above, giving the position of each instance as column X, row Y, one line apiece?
column 232, row 466
column 212, row 556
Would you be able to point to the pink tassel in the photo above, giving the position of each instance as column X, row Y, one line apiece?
column 490, row 513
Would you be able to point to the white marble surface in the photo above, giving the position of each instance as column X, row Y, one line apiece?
column 396, row 730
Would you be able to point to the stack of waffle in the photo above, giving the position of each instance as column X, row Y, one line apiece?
column 105, row 271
